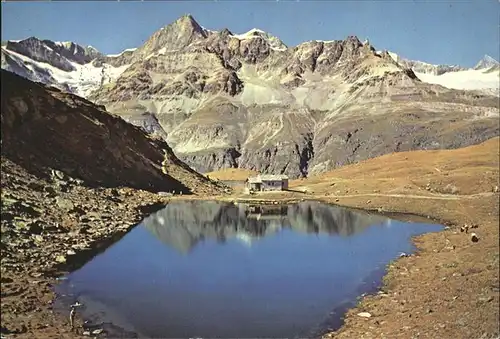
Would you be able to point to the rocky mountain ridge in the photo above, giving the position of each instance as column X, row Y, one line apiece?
column 485, row 76
column 485, row 64
column 227, row 100
column 56, row 53
column 61, row 55
column 64, row 65
column 426, row 68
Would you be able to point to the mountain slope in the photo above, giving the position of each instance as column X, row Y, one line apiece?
column 227, row 100
column 44, row 128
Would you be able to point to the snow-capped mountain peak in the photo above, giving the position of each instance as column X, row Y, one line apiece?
column 486, row 62
column 65, row 44
column 250, row 33
column 274, row 42
column 423, row 67
column 65, row 65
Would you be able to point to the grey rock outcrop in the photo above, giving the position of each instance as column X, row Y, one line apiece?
column 53, row 53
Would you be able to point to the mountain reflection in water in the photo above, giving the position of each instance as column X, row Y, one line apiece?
column 182, row 225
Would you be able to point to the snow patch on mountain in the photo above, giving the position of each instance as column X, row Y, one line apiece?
column 468, row 80
column 161, row 51
column 124, row 51
column 274, row 42
column 208, row 31
column 65, row 44
column 393, row 55
column 253, row 33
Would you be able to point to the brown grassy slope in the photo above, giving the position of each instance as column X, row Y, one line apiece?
column 44, row 128
column 461, row 171
column 450, row 288
column 238, row 174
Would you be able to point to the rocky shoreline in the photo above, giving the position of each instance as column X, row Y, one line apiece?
column 51, row 227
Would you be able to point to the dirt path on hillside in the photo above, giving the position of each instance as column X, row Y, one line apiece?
column 412, row 196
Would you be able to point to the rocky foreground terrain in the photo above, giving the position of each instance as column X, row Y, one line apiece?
column 223, row 100
column 74, row 179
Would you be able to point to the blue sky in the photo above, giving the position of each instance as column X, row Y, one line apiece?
column 451, row 32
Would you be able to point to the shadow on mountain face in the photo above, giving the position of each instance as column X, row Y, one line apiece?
column 44, row 128
column 182, row 225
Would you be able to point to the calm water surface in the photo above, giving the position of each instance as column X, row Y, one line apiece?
column 211, row 269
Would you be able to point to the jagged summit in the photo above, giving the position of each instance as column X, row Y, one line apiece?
column 175, row 36
column 486, row 62
column 354, row 39
column 187, row 21
column 60, row 55
column 225, row 32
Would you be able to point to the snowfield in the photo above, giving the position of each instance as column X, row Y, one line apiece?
column 82, row 81
column 467, row 80
column 125, row 50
